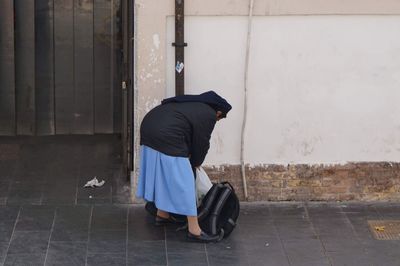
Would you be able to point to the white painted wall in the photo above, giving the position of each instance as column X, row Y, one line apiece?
column 322, row 89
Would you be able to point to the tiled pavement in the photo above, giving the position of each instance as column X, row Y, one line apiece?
column 267, row 234
column 46, row 218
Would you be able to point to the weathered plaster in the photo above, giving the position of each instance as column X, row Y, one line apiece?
column 152, row 17
column 315, row 128
column 320, row 90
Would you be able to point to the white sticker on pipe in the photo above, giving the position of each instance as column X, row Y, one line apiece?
column 179, row 67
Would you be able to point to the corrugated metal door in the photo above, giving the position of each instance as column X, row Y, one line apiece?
column 60, row 67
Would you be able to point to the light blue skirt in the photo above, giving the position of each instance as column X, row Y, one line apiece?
column 167, row 181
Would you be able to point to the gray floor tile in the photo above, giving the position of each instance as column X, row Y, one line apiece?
column 7, row 169
column 3, row 201
column 25, row 193
column 382, row 252
column 189, row 258
column 183, row 252
column 112, row 259
column 227, row 246
column 122, row 199
column 35, row 218
column 66, row 253
column 146, row 233
column 101, row 195
column 227, row 257
column 248, row 211
column 59, row 201
column 70, row 234
column 305, row 252
column 73, row 215
column 265, row 250
column 71, row 223
column 60, row 193
column 3, row 249
column 26, row 174
column 350, row 258
column 102, row 169
column 227, row 252
column 25, row 259
column 303, row 230
column 147, row 253
column 255, row 229
column 287, row 210
column 361, row 229
column 6, row 229
column 334, row 228
column 356, row 209
column 184, row 246
column 29, row 242
column 121, row 189
column 388, row 211
column 9, row 212
column 141, row 226
column 340, row 243
column 94, row 200
column 173, row 236
column 109, row 218
column 323, row 210
column 107, row 242
column 271, row 259
column 376, row 260
column 4, row 187
column 338, row 218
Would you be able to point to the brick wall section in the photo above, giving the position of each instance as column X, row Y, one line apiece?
column 353, row 181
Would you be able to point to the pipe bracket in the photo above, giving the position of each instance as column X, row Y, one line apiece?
column 179, row 44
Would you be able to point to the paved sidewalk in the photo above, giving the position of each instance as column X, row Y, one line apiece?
column 267, row 234
column 47, row 218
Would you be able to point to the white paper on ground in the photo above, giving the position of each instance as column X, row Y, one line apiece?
column 94, row 183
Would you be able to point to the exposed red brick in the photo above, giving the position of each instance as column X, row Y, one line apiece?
column 353, row 181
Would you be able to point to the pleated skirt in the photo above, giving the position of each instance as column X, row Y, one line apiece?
column 167, row 181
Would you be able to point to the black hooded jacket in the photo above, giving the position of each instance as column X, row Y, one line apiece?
column 181, row 129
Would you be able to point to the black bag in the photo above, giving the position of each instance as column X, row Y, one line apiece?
column 219, row 210
column 217, row 213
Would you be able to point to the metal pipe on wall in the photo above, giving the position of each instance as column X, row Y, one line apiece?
column 179, row 45
column 246, row 74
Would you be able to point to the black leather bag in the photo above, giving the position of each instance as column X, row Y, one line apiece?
column 219, row 210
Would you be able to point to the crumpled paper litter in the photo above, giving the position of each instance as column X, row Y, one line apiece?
column 94, row 183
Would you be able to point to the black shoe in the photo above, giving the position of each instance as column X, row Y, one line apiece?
column 202, row 238
column 164, row 221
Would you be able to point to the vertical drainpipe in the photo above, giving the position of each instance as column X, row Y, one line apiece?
column 179, row 45
column 244, row 122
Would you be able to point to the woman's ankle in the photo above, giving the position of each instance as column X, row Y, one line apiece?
column 193, row 224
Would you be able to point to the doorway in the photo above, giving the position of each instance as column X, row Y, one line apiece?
column 61, row 67
column 66, row 69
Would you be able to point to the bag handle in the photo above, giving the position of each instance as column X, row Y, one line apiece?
column 229, row 184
